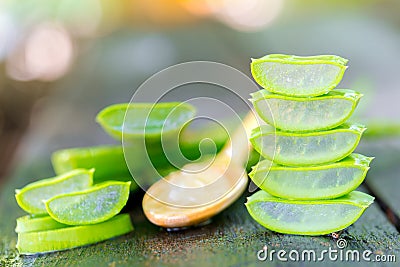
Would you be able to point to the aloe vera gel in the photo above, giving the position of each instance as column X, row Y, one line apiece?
column 309, row 167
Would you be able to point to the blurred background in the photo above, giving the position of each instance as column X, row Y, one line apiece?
column 63, row 61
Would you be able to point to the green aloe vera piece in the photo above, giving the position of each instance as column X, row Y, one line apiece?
column 298, row 76
column 301, row 149
column 147, row 119
column 91, row 206
column 108, row 161
column 72, row 237
column 27, row 224
column 304, row 113
column 31, row 197
column 311, row 182
column 311, row 217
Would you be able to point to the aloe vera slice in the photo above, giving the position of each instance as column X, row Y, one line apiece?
column 301, row 149
column 31, row 197
column 312, row 217
column 91, row 206
column 72, row 237
column 298, row 76
column 108, row 161
column 304, row 113
column 110, row 164
column 311, row 182
column 144, row 119
column 26, row 224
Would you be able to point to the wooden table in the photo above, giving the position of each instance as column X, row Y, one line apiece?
column 231, row 239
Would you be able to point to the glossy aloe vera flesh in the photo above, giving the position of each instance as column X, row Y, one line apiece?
column 312, row 182
column 311, row 217
column 304, row 113
column 298, row 76
column 144, row 119
column 91, row 206
column 26, row 224
column 302, row 149
column 71, row 237
column 31, row 197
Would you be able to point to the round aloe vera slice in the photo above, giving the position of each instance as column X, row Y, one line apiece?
column 91, row 206
column 298, row 76
column 26, row 224
column 71, row 237
column 144, row 119
column 31, row 197
column 300, row 114
column 312, row 217
column 311, row 182
column 301, row 149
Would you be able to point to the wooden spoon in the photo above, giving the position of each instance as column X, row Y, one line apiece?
column 201, row 190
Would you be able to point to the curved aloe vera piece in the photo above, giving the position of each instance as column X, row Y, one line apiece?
column 72, row 237
column 91, row 206
column 312, row 217
column 303, row 113
column 298, row 76
column 142, row 119
column 300, row 149
column 313, row 182
column 26, row 224
column 108, row 161
column 31, row 197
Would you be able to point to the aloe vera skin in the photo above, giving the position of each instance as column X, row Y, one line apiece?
column 300, row 114
column 74, row 236
column 282, row 79
column 28, row 223
column 110, row 164
column 313, row 182
column 312, row 217
column 108, row 161
column 303, row 149
column 132, row 121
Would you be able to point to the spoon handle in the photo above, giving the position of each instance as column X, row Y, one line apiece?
column 238, row 147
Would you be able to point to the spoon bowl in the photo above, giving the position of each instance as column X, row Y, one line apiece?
column 201, row 190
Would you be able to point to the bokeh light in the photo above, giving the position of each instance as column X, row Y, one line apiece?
column 46, row 54
column 250, row 15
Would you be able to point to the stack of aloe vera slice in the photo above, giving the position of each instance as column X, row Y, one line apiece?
column 309, row 171
column 68, row 211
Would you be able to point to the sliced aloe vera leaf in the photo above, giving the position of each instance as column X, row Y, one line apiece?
column 312, row 217
column 91, row 206
column 304, row 113
column 31, row 197
column 142, row 119
column 110, row 164
column 311, row 182
column 26, row 224
column 72, row 237
column 108, row 161
column 298, row 76
column 301, row 149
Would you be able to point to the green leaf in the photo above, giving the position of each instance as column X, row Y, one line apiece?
column 311, row 182
column 312, row 217
column 311, row 148
column 300, row 114
column 298, row 76
column 91, row 206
